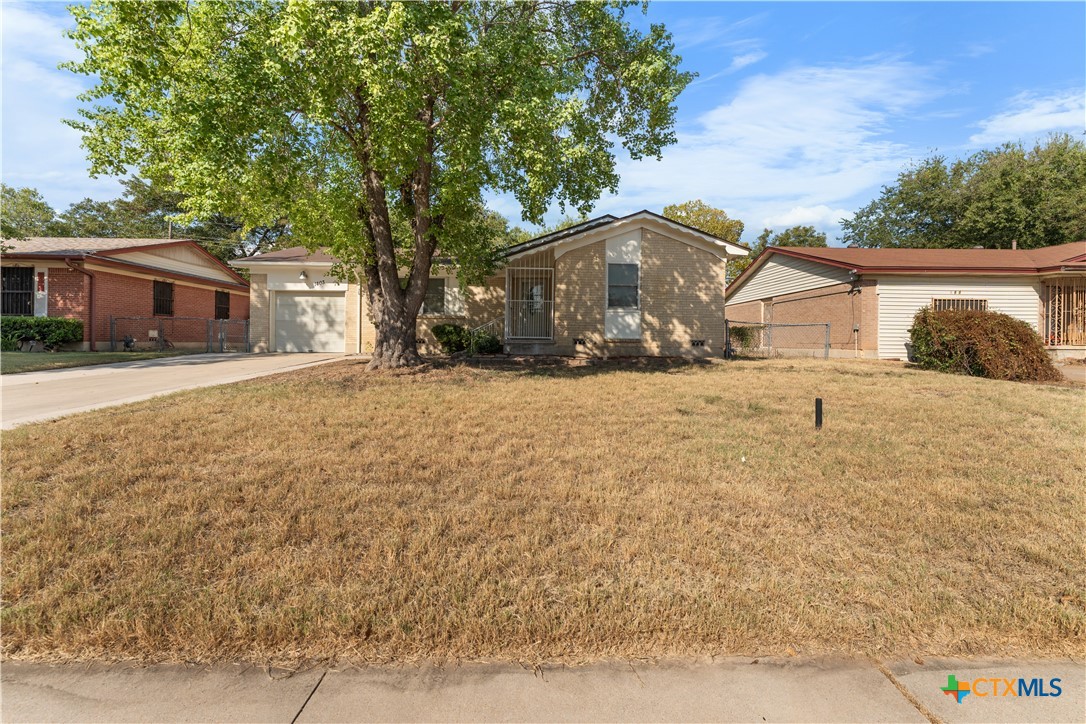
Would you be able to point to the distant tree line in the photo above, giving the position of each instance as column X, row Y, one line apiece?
column 143, row 211
column 992, row 199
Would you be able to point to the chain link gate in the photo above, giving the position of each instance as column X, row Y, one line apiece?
column 763, row 339
column 132, row 334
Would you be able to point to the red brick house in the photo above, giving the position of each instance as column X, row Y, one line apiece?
column 95, row 279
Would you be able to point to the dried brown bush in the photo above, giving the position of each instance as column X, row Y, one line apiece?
column 980, row 344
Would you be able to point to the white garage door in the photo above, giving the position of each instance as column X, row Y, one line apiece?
column 309, row 322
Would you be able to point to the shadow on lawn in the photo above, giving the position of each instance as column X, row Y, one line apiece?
column 573, row 367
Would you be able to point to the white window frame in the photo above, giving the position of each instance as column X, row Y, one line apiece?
column 637, row 304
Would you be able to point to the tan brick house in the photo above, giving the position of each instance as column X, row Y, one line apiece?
column 96, row 279
column 636, row 285
column 870, row 296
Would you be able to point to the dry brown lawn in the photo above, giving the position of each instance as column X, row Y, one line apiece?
column 553, row 513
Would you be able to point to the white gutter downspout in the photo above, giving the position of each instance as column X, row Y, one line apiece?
column 358, row 334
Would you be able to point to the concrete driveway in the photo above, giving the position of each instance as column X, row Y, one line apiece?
column 1073, row 373
column 36, row 396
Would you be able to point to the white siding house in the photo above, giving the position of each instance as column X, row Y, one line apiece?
column 869, row 297
column 787, row 275
column 900, row 298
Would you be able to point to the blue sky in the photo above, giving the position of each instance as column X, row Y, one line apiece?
column 800, row 113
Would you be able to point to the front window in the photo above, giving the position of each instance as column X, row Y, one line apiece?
column 959, row 304
column 622, row 284
column 222, row 305
column 18, row 291
column 434, row 303
column 164, row 298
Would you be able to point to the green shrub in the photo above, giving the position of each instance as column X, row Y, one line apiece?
column 453, row 338
column 745, row 336
column 52, row 331
column 981, row 344
column 486, row 343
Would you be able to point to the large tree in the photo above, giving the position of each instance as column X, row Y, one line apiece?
column 376, row 126
column 23, row 213
column 792, row 236
column 708, row 218
column 990, row 199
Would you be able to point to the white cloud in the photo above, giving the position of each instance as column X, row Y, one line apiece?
column 977, row 50
column 792, row 147
column 29, row 31
column 820, row 216
column 715, row 31
column 38, row 149
column 1031, row 115
column 742, row 61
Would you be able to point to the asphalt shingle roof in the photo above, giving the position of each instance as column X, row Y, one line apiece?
column 77, row 246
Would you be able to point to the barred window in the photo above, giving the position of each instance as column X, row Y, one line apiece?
column 18, row 291
column 222, row 305
column 958, row 304
column 164, row 298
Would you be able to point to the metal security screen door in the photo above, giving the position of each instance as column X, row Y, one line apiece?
column 529, row 303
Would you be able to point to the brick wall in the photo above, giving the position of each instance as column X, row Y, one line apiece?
column 682, row 299
column 239, row 305
column 832, row 304
column 482, row 304
column 119, row 295
column 259, row 313
column 68, row 296
column 745, row 312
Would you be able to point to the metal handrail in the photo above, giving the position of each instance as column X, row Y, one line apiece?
column 495, row 327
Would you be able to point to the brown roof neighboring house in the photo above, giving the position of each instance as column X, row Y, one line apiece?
column 932, row 261
column 60, row 246
column 293, row 255
column 112, row 252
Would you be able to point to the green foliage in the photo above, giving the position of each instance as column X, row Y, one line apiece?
column 353, row 118
column 485, row 343
column 25, row 213
column 991, row 199
column 453, row 338
column 143, row 211
column 744, row 336
column 707, row 218
column 519, row 235
column 982, row 344
column 793, row 236
column 52, row 331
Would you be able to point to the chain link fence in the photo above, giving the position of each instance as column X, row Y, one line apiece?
column 758, row 339
column 158, row 334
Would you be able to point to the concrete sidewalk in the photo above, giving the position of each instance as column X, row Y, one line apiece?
column 36, row 396
column 823, row 690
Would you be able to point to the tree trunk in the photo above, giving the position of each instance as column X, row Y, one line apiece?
column 396, row 345
column 394, row 307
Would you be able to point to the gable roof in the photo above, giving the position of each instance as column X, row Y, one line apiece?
column 602, row 222
column 293, row 255
column 78, row 246
column 556, row 236
column 931, row 261
column 104, row 250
